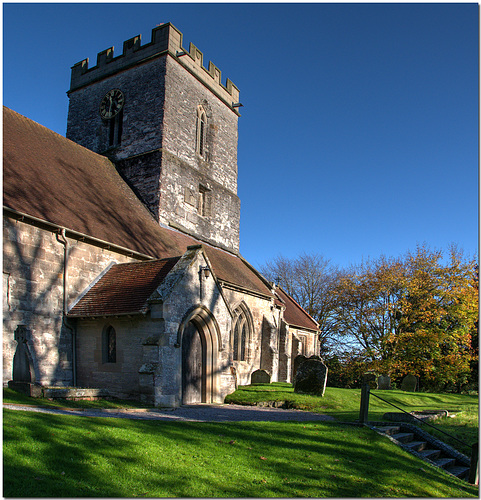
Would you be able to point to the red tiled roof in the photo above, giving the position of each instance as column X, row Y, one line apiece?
column 124, row 289
column 294, row 314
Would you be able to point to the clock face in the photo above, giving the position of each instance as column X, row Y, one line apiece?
column 111, row 104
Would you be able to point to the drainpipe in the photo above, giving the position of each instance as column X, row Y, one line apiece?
column 63, row 241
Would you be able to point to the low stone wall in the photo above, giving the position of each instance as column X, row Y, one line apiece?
column 74, row 393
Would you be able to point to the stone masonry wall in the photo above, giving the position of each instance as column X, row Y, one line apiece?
column 183, row 94
column 122, row 377
column 193, row 291
column 143, row 111
column 185, row 172
column 33, row 295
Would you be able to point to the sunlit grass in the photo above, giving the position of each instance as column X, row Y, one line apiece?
column 66, row 456
column 343, row 404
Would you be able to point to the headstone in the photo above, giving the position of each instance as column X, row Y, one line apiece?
column 384, row 382
column 369, row 378
column 260, row 377
column 297, row 361
column 409, row 383
column 23, row 371
column 22, row 365
column 311, row 377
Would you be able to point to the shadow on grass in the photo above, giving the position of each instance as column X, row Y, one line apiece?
column 52, row 456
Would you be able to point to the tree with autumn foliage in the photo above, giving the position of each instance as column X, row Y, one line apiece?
column 414, row 314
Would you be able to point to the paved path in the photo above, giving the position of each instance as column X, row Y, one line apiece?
column 190, row 413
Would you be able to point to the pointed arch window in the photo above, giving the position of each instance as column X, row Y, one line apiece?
column 241, row 333
column 200, row 131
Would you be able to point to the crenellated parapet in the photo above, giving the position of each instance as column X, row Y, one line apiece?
column 166, row 39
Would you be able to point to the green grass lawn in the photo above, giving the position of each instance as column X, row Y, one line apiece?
column 69, row 456
column 343, row 404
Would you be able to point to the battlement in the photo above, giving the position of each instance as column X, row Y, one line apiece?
column 166, row 39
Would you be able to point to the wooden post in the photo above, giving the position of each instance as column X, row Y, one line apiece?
column 474, row 469
column 364, row 410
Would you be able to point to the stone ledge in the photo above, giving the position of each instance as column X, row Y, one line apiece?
column 412, row 417
column 74, row 393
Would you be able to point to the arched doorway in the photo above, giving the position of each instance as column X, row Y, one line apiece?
column 199, row 340
column 193, row 365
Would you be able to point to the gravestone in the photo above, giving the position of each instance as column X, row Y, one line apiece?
column 23, row 371
column 370, row 379
column 311, row 377
column 409, row 383
column 260, row 377
column 297, row 361
column 384, row 382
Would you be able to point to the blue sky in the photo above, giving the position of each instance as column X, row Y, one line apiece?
column 359, row 131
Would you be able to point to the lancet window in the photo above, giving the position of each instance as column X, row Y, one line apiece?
column 200, row 131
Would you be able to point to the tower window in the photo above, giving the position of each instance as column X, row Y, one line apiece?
column 115, row 129
column 202, row 203
column 200, row 131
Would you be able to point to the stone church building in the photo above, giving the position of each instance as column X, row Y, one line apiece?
column 121, row 264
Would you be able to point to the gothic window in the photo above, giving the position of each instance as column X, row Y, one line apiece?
column 241, row 332
column 200, row 131
column 109, row 347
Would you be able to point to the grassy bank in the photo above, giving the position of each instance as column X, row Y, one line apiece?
column 343, row 404
column 68, row 456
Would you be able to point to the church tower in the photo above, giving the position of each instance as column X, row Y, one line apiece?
column 170, row 127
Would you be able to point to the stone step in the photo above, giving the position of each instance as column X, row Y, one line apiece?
column 417, row 445
column 459, row 471
column 430, row 454
column 390, row 430
column 445, row 462
column 423, row 448
column 403, row 437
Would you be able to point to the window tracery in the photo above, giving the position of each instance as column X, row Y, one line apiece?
column 241, row 332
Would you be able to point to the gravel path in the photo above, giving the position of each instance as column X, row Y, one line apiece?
column 190, row 413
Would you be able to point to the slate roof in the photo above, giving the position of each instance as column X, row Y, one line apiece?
column 123, row 289
column 55, row 180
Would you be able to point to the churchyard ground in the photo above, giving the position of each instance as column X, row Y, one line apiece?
column 343, row 404
column 66, row 456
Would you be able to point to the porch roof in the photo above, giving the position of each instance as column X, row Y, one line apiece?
column 123, row 289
